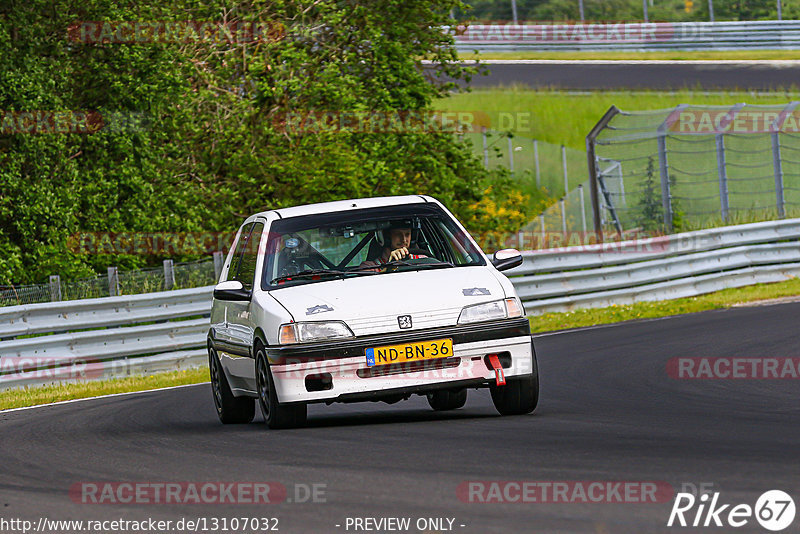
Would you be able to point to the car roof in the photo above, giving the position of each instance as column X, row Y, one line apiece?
column 344, row 205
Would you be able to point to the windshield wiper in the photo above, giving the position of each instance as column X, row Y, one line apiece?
column 306, row 273
column 315, row 272
column 406, row 263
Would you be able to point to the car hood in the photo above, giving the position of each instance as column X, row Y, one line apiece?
column 371, row 304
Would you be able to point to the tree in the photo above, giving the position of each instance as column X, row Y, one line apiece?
column 54, row 184
column 650, row 211
column 213, row 145
column 335, row 58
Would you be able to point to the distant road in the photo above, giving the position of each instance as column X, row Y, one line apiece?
column 648, row 74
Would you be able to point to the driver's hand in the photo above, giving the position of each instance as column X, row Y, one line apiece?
column 398, row 254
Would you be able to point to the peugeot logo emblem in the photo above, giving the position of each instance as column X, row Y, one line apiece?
column 404, row 321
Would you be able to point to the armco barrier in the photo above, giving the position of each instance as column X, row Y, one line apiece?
column 679, row 265
column 104, row 337
column 103, row 312
column 115, row 336
column 739, row 35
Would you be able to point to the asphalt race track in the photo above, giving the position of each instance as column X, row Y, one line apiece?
column 658, row 75
column 608, row 412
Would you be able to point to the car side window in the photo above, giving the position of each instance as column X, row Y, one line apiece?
column 244, row 235
column 247, row 269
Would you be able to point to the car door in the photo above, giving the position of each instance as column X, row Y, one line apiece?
column 219, row 312
column 240, row 319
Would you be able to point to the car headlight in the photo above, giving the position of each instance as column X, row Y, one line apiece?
column 316, row 331
column 488, row 311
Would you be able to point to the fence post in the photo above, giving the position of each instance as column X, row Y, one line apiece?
column 169, row 275
column 663, row 171
column 778, row 169
column 564, row 166
column 663, row 167
column 536, row 163
column 711, row 10
column 511, row 154
column 777, row 161
column 485, row 148
column 113, row 282
column 55, row 288
column 780, row 10
column 723, row 177
column 583, row 210
column 544, row 234
column 563, row 207
column 521, row 240
column 591, row 159
column 644, row 10
column 218, row 259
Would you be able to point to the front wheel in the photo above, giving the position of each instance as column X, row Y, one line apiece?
column 230, row 409
column 446, row 399
column 276, row 415
column 520, row 395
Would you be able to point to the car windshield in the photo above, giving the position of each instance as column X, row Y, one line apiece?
column 312, row 248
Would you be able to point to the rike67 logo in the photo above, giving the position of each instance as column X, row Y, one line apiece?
column 774, row 510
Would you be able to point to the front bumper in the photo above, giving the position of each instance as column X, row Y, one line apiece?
column 300, row 371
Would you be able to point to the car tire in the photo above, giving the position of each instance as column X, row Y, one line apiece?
column 447, row 399
column 520, row 395
column 230, row 409
column 276, row 415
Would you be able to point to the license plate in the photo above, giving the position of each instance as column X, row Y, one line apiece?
column 409, row 352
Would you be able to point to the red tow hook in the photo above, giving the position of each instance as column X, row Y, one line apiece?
column 499, row 375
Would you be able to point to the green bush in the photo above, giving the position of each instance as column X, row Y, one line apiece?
column 207, row 146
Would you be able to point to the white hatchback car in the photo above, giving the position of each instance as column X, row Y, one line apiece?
column 313, row 307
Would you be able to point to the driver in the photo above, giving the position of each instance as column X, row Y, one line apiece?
column 398, row 240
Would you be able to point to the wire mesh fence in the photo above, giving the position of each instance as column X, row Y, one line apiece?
column 560, row 171
column 535, row 163
column 171, row 276
column 694, row 167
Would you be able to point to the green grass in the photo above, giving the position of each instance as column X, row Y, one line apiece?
column 664, row 55
column 563, row 117
column 665, row 308
column 31, row 396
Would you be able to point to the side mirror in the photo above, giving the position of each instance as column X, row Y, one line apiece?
column 508, row 258
column 232, row 290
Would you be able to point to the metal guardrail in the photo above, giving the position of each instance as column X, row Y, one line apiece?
column 104, row 337
column 103, row 312
column 626, row 252
column 110, row 337
column 738, row 35
column 675, row 266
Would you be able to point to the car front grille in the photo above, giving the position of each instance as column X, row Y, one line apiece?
column 388, row 323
